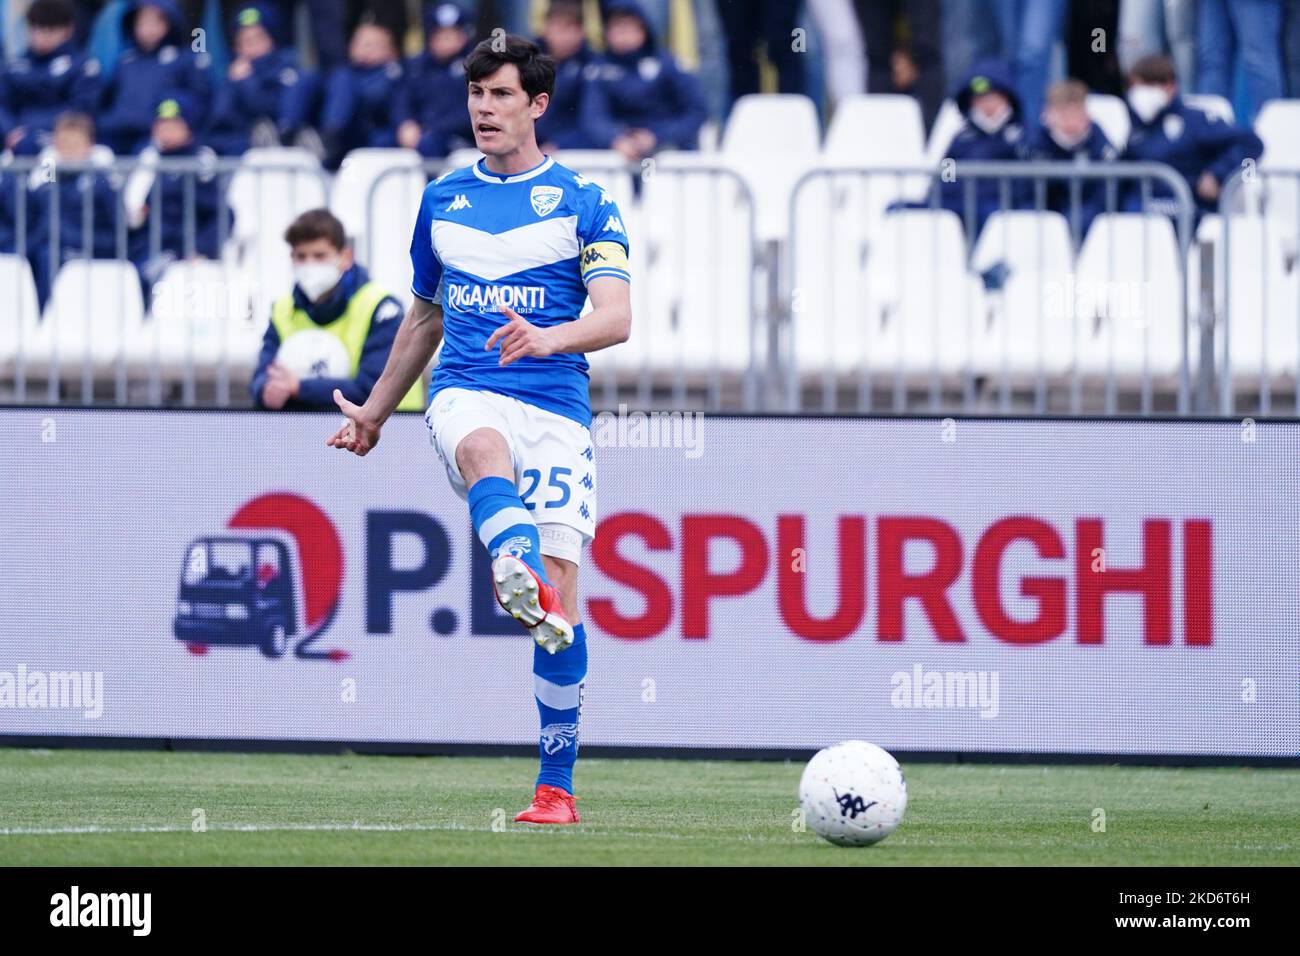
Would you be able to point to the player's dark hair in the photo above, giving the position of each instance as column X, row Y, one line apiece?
column 1155, row 68
column 536, row 69
column 316, row 224
column 51, row 13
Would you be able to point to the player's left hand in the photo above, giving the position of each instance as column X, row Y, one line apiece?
column 518, row 338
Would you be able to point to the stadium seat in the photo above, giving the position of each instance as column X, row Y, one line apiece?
column 1278, row 125
column 771, row 165
column 201, row 318
column 360, row 171
column 1111, row 114
column 1214, row 106
column 908, row 305
column 1029, row 259
column 272, row 187
column 697, row 225
column 947, row 124
column 1262, row 299
column 855, row 131
column 95, row 307
column 1127, row 298
column 19, row 316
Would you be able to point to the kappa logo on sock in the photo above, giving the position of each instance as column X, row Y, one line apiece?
column 518, row 545
column 555, row 737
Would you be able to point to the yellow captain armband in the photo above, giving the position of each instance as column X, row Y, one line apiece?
column 603, row 258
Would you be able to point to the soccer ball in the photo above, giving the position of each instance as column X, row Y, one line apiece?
column 853, row 794
column 315, row 353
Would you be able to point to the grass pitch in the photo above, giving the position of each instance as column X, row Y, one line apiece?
column 69, row 807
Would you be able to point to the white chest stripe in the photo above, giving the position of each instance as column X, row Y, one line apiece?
column 492, row 257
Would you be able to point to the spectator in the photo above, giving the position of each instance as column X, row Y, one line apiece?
column 845, row 50
column 993, row 132
column 332, row 293
column 638, row 99
column 903, row 50
column 430, row 111
column 564, row 40
column 745, row 22
column 83, row 222
column 266, row 97
column 1291, row 48
column 54, row 76
column 1245, row 30
column 1029, row 31
column 360, row 98
column 1068, row 134
column 157, row 58
column 1203, row 149
column 151, row 195
column 1094, row 63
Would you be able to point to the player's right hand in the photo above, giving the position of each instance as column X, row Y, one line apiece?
column 358, row 434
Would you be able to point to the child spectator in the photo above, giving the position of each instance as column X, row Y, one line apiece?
column 83, row 222
column 430, row 111
column 1203, row 149
column 157, row 59
column 639, row 100
column 565, row 40
column 993, row 133
column 360, row 98
column 266, row 97
column 1068, row 134
column 54, row 76
column 332, row 293
column 173, row 138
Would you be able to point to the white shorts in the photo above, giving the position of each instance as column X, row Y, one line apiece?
column 554, row 461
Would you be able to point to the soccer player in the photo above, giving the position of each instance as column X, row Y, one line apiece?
column 505, row 252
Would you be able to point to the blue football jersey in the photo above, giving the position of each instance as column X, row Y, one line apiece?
column 531, row 241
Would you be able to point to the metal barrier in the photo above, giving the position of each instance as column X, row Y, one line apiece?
column 865, row 264
column 176, row 293
column 1258, row 305
column 722, row 321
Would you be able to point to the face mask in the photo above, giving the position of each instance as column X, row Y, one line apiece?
column 316, row 278
column 1147, row 101
column 990, row 124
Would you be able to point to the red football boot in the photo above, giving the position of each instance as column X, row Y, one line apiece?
column 550, row 805
column 532, row 602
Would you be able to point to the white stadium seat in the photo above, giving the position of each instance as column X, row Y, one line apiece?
column 1278, row 125
column 1111, row 114
column 357, row 175
column 1027, row 323
column 771, row 165
column 947, row 124
column 272, row 187
column 1262, row 301
column 95, row 308
column 877, row 129
column 696, row 227
column 908, row 304
column 1216, row 107
column 1126, row 298
column 19, row 316
column 200, row 318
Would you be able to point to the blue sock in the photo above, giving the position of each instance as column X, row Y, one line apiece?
column 557, row 684
column 503, row 523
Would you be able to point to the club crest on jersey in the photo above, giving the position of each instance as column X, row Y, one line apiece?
column 546, row 198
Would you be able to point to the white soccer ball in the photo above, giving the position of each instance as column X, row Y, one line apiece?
column 315, row 353
column 853, row 794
